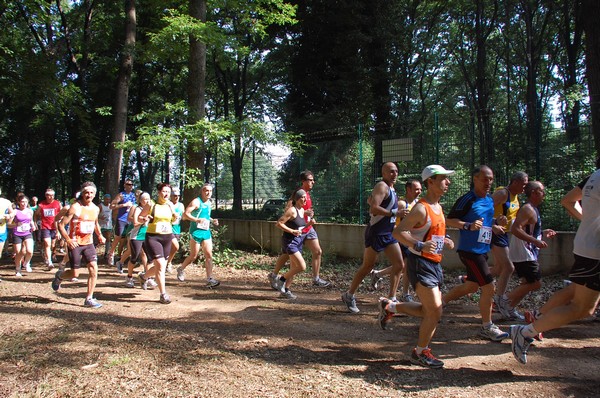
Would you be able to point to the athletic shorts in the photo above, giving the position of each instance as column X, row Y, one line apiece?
column 127, row 230
column 478, row 270
column 291, row 245
column 424, row 271
column 87, row 253
column 136, row 249
column 405, row 251
column 177, row 236
column 201, row 235
column 586, row 272
column 158, row 245
column 49, row 234
column 529, row 270
column 103, row 230
column 120, row 227
column 500, row 240
column 17, row 240
column 379, row 242
column 311, row 234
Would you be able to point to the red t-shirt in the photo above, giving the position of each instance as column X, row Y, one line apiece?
column 47, row 213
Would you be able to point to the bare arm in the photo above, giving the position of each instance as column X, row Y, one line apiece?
column 289, row 214
column 571, row 202
column 526, row 216
column 377, row 196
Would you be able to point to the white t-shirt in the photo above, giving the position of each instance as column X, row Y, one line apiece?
column 587, row 239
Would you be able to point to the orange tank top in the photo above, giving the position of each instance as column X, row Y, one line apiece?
column 83, row 224
column 434, row 229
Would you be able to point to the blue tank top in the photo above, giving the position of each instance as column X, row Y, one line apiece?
column 123, row 211
column 384, row 225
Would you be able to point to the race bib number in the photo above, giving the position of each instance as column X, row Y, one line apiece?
column 393, row 220
column 439, row 243
column 177, row 220
column 163, row 227
column 86, row 227
column 24, row 227
column 485, row 235
column 204, row 224
column 49, row 213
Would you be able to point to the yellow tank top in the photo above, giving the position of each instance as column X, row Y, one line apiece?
column 509, row 208
column 161, row 222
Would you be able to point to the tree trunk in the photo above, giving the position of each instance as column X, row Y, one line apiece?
column 591, row 15
column 195, row 154
column 115, row 156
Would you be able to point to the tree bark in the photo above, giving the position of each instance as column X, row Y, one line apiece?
column 195, row 153
column 115, row 156
column 591, row 15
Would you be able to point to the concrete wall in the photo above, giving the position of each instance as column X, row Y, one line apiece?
column 348, row 241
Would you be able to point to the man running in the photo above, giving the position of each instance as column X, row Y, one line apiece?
column 423, row 231
column 47, row 210
column 82, row 219
column 378, row 235
column 123, row 201
column 473, row 215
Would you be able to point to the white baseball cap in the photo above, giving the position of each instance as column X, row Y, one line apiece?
column 434, row 169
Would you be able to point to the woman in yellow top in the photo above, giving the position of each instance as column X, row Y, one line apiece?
column 159, row 236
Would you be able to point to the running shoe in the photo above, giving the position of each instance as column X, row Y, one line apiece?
column 425, row 359
column 92, row 303
column 143, row 280
column 350, row 302
column 74, row 280
column 493, row 333
column 384, row 316
column 407, row 298
column 273, row 280
column 49, row 266
column 520, row 343
column 119, row 266
column 280, row 285
column 530, row 317
column 18, row 275
column 130, row 282
column 180, row 274
column 320, row 282
column 57, row 280
column 288, row 295
column 212, row 282
column 375, row 280
column 165, row 298
column 111, row 260
column 169, row 268
column 151, row 284
column 462, row 278
column 28, row 267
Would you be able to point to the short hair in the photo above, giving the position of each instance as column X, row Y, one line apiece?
column 479, row 169
column 531, row 186
column 160, row 186
column 207, row 185
column 305, row 174
column 50, row 190
column 519, row 176
column 88, row 184
column 410, row 182
column 143, row 195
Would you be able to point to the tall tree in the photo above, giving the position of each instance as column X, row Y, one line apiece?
column 115, row 154
column 591, row 16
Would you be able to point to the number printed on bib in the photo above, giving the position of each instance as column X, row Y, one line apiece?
column 439, row 243
column 163, row 227
column 204, row 224
column 48, row 212
column 24, row 227
column 485, row 235
column 86, row 227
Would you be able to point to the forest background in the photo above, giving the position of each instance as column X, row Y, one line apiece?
column 193, row 91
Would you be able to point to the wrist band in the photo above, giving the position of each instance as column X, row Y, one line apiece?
column 418, row 246
column 467, row 226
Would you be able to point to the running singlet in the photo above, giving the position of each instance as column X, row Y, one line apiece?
column 297, row 223
column 203, row 213
column 23, row 220
column 48, row 211
column 83, row 224
column 123, row 211
column 384, row 225
column 139, row 232
column 434, row 229
column 105, row 217
column 520, row 250
column 307, row 206
column 179, row 210
column 408, row 207
column 160, row 223
column 4, row 206
column 509, row 209
column 587, row 243
column 470, row 208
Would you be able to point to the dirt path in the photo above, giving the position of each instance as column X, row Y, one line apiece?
column 240, row 340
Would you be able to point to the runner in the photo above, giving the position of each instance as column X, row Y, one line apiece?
column 179, row 210
column 198, row 212
column 137, row 237
column 423, row 231
column 82, row 219
column 23, row 227
column 105, row 221
column 6, row 213
column 473, row 215
column 48, row 209
column 122, row 202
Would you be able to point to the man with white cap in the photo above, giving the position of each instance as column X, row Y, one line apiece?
column 423, row 231
column 473, row 215
column 378, row 235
